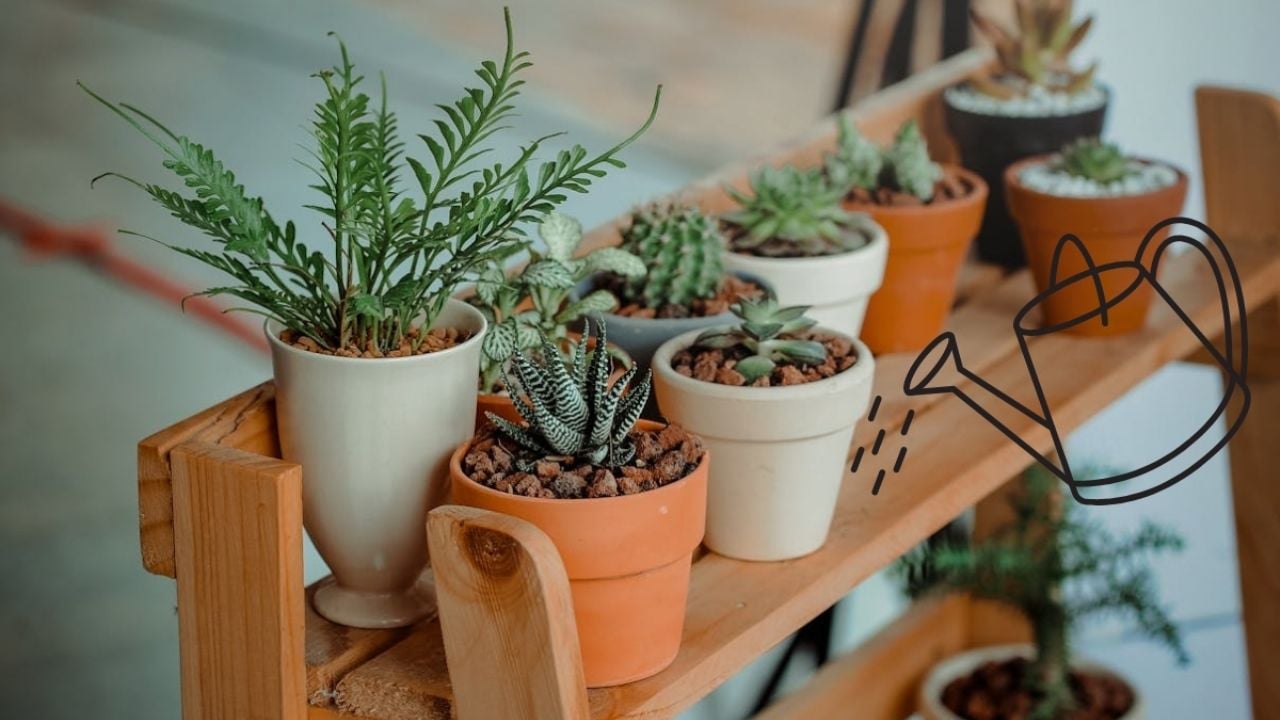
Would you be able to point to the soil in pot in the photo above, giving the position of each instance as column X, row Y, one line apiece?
column 997, row 690
column 928, row 243
column 989, row 143
column 717, row 366
column 732, row 289
column 626, row 538
column 437, row 339
column 1111, row 228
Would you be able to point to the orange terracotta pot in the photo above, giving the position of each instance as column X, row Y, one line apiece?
column 1111, row 229
column 627, row 558
column 927, row 246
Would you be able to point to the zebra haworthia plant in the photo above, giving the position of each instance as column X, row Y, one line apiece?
column 573, row 412
column 764, row 323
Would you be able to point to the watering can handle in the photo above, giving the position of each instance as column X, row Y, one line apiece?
column 1092, row 270
column 1226, row 293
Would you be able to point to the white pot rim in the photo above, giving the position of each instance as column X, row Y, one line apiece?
column 878, row 237
column 271, row 328
column 782, row 393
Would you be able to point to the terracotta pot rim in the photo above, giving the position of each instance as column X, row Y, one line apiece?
column 455, row 470
column 1014, row 183
column 1106, row 91
column 976, row 196
column 272, row 330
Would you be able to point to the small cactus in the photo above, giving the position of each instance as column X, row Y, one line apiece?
column 681, row 249
column 857, row 161
column 904, row 166
column 795, row 213
column 1036, row 54
column 909, row 165
column 763, row 324
column 1093, row 159
column 573, row 412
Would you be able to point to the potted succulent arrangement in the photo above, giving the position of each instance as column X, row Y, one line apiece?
column 374, row 362
column 792, row 232
column 1055, row 569
column 775, row 399
column 1032, row 103
column 931, row 213
column 1108, row 200
column 538, row 303
column 683, row 285
column 623, row 501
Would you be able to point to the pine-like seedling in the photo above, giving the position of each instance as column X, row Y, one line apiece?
column 1057, row 569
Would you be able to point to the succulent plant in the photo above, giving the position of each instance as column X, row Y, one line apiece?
column 857, row 161
column 572, row 411
column 909, row 167
column 1093, row 159
column 795, row 213
column 537, row 304
column 764, row 322
column 681, row 250
column 1036, row 53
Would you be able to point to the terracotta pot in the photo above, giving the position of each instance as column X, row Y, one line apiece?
column 957, row 666
column 780, row 452
column 927, row 246
column 836, row 287
column 627, row 558
column 1111, row 229
column 990, row 143
column 500, row 403
column 373, row 438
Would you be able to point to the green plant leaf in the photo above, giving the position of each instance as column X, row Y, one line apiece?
column 598, row 301
column 548, row 273
column 562, row 234
column 754, row 367
column 614, row 260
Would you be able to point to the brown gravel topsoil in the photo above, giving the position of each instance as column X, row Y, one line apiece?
column 732, row 289
column 734, row 232
column 662, row 457
column 711, row 365
column 437, row 339
column 994, row 691
column 952, row 186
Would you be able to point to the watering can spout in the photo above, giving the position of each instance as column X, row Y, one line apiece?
column 939, row 369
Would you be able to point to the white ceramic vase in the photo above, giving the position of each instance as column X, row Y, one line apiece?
column 931, row 707
column 836, row 287
column 374, row 437
column 780, row 452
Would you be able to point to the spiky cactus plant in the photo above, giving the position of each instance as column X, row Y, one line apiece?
column 681, row 249
column 763, row 324
column 1093, row 159
column 1037, row 52
column 573, row 412
column 904, row 166
column 910, row 168
column 795, row 213
column 1056, row 569
column 857, row 161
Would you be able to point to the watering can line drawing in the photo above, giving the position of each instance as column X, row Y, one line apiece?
column 946, row 353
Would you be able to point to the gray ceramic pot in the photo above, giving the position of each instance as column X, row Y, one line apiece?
column 640, row 337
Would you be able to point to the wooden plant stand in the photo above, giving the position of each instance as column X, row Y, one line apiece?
column 222, row 514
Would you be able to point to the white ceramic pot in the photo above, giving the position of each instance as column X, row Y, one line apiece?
column 374, row 437
column 836, row 287
column 780, row 452
column 931, row 707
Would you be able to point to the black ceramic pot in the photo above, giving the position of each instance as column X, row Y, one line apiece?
column 990, row 143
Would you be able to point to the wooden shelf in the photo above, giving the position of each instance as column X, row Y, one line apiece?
column 737, row 610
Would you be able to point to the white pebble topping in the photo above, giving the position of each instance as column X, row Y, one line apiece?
column 1038, row 102
column 1143, row 177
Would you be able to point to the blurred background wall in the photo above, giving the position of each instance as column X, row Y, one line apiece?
column 88, row 367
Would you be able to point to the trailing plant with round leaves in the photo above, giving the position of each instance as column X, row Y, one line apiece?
column 1037, row 52
column 904, row 166
column 764, row 323
column 1056, row 568
column 572, row 411
column 681, row 249
column 1093, row 159
column 394, row 259
column 538, row 304
column 795, row 213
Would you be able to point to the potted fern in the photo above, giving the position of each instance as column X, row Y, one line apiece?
column 1109, row 200
column 792, row 232
column 683, row 285
column 374, row 362
column 538, row 303
column 931, row 213
column 1055, row 569
column 623, row 501
column 1032, row 103
column 775, row 399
